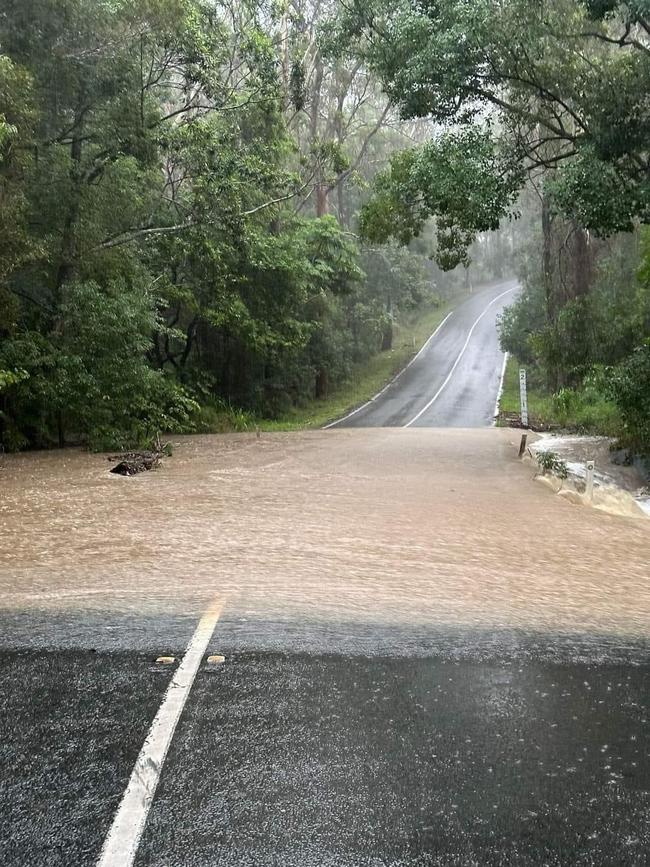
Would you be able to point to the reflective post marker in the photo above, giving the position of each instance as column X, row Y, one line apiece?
column 589, row 484
column 523, row 394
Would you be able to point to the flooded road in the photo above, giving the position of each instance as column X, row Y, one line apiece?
column 430, row 658
column 417, row 526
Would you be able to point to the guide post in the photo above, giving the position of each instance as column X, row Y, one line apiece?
column 523, row 394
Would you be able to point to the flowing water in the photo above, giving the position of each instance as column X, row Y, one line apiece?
column 611, row 470
column 365, row 527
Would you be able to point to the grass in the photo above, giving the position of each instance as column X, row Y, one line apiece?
column 368, row 378
column 582, row 411
column 365, row 381
column 539, row 404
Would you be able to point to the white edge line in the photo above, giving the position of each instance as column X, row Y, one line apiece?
column 121, row 844
column 506, row 356
column 393, row 380
column 456, row 363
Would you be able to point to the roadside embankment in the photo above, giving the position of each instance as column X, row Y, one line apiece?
column 619, row 486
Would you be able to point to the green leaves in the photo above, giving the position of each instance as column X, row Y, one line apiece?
column 633, row 10
column 560, row 87
column 630, row 388
column 600, row 195
column 92, row 373
column 550, row 462
column 463, row 179
column 159, row 161
column 9, row 378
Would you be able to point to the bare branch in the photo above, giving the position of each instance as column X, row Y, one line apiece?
column 147, row 232
column 277, row 201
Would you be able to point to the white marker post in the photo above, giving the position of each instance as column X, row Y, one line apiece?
column 523, row 395
column 589, row 483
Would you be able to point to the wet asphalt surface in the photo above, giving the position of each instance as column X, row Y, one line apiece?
column 325, row 760
column 330, row 742
column 456, row 748
column 469, row 393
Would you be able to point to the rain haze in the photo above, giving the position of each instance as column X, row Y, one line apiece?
column 324, row 433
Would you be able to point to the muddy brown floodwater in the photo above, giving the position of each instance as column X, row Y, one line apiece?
column 396, row 526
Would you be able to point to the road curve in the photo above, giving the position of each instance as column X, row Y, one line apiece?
column 454, row 380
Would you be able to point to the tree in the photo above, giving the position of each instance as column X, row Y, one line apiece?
column 129, row 105
column 460, row 177
column 171, row 164
column 564, row 82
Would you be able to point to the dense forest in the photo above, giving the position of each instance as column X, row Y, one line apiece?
column 544, row 117
column 179, row 183
column 212, row 207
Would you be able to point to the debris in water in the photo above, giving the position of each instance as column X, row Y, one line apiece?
column 131, row 463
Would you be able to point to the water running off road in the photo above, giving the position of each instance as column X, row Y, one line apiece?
column 374, row 526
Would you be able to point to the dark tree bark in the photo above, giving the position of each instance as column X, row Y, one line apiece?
column 322, row 205
column 322, row 383
column 547, row 253
column 68, row 240
column 582, row 262
column 387, row 336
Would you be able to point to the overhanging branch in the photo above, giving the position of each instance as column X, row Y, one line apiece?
column 153, row 231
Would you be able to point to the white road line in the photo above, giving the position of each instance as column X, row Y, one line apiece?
column 456, row 363
column 122, row 842
column 500, row 391
column 393, row 380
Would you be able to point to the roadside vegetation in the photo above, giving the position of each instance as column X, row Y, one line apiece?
column 588, row 371
column 179, row 185
column 218, row 213
column 583, row 411
column 365, row 380
column 545, row 121
column 550, row 462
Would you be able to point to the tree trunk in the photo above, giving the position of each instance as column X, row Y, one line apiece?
column 343, row 216
column 315, row 99
column 387, row 336
column 554, row 373
column 322, row 206
column 582, row 263
column 387, row 333
column 68, row 241
column 322, row 383
column 547, row 252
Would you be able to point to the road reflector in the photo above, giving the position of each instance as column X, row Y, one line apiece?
column 166, row 660
column 216, row 659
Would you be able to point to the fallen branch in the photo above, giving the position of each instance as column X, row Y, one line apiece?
column 131, row 463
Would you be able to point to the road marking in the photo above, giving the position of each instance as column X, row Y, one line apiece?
column 497, row 405
column 122, row 842
column 456, row 363
column 393, row 380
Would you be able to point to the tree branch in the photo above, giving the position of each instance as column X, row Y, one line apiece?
column 146, row 232
column 277, row 201
column 154, row 231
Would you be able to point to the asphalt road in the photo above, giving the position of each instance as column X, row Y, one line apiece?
column 498, row 750
column 454, row 380
column 429, row 659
